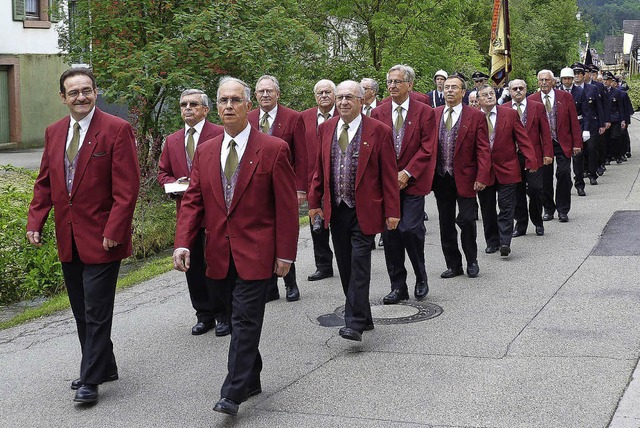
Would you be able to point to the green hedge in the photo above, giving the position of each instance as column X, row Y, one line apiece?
column 29, row 272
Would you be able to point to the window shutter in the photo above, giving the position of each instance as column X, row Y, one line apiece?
column 55, row 11
column 18, row 10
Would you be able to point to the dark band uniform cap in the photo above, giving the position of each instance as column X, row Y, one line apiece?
column 607, row 75
column 479, row 75
column 459, row 75
column 594, row 68
column 577, row 66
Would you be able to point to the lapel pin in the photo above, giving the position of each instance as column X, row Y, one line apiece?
column 250, row 162
column 365, row 143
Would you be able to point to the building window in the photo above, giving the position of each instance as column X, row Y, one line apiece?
column 32, row 8
column 37, row 13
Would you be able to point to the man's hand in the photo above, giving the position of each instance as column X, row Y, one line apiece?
column 607, row 125
column 601, row 130
column 403, row 179
column 547, row 160
column 302, row 196
column 477, row 186
column 181, row 259
column 313, row 212
column 281, row 268
column 107, row 243
column 34, row 238
column 532, row 170
column 623, row 124
column 392, row 223
column 577, row 151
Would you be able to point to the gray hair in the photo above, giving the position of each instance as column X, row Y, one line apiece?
column 371, row 82
column 269, row 77
column 546, row 72
column 323, row 82
column 227, row 79
column 409, row 74
column 204, row 99
column 513, row 82
column 359, row 88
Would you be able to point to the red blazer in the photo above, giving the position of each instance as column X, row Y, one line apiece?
column 104, row 193
column 509, row 130
column 418, row 153
column 262, row 222
column 538, row 130
column 289, row 127
column 472, row 155
column 173, row 160
column 377, row 193
column 414, row 95
column 568, row 132
column 310, row 119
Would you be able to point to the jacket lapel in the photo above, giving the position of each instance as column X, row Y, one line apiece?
column 248, row 163
column 465, row 121
column 409, row 126
column 86, row 151
column 216, row 172
column 364, row 149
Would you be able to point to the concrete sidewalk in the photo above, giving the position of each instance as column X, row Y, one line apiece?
column 547, row 337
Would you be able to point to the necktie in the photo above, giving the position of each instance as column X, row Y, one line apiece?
column 547, row 103
column 72, row 150
column 190, row 143
column 519, row 107
column 399, row 120
column 449, row 122
column 326, row 116
column 231, row 164
column 368, row 110
column 343, row 140
column 264, row 124
column 489, row 124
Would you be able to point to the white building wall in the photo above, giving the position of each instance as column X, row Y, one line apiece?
column 15, row 39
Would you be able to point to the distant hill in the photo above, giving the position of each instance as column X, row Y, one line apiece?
column 607, row 15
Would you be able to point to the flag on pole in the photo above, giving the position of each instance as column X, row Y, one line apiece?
column 588, row 60
column 500, row 44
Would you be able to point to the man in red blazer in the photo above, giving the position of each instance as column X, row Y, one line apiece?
column 534, row 118
column 355, row 191
column 90, row 173
column 566, row 136
column 242, row 190
column 274, row 119
column 463, row 168
column 175, row 164
column 325, row 94
column 414, row 138
column 507, row 137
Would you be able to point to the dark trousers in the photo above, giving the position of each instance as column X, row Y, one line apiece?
column 562, row 202
column 92, row 289
column 446, row 198
column 205, row 299
column 289, row 281
column 531, row 185
column 591, row 163
column 353, row 256
column 321, row 250
column 409, row 236
column 498, row 226
column 245, row 363
column 577, row 162
column 601, row 144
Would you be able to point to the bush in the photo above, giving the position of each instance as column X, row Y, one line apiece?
column 29, row 272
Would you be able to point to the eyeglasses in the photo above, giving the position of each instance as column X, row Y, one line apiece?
column 518, row 88
column 74, row 94
column 234, row 101
column 451, row 87
column 265, row 92
column 348, row 98
column 191, row 104
column 321, row 93
column 487, row 95
column 395, row 82
column 543, row 79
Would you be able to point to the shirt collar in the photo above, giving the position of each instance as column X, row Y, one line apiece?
column 272, row 113
column 240, row 139
column 354, row 124
column 198, row 127
column 404, row 105
column 84, row 122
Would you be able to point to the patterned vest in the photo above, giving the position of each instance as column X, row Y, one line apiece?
column 553, row 118
column 70, row 170
column 446, row 146
column 398, row 137
column 229, row 186
column 343, row 170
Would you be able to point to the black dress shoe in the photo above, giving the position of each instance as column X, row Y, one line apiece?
column 600, row 171
column 318, row 275
column 581, row 192
column 350, row 334
column 293, row 293
column 201, row 328
column 628, row 154
column 491, row 249
column 563, row 218
column 505, row 250
column 227, row 406
column 547, row 217
column 223, row 329
column 86, row 394
column 517, row 233
column 473, row 270
column 539, row 230
column 451, row 272
column 395, row 296
column 76, row 384
column 421, row 290
column 593, row 181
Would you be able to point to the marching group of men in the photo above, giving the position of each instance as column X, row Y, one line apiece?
column 363, row 165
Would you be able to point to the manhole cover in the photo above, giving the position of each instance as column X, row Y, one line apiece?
column 402, row 313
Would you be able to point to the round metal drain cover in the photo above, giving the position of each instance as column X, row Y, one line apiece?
column 402, row 313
